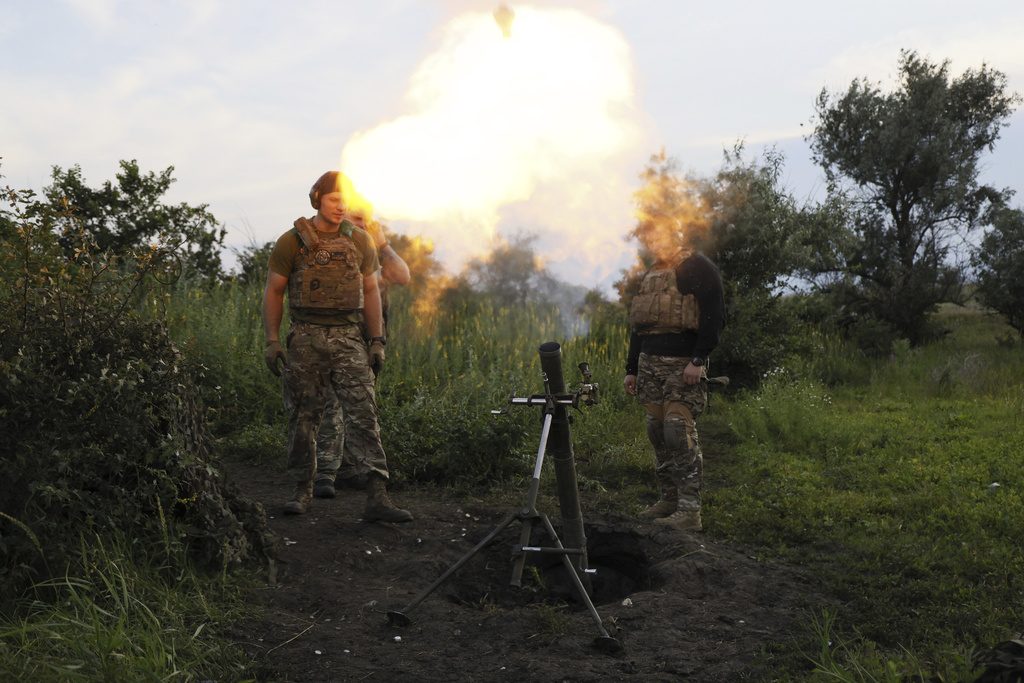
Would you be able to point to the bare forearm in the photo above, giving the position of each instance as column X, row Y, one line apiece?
column 273, row 305
column 393, row 267
column 273, row 308
column 372, row 309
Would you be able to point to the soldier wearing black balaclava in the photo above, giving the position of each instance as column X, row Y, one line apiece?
column 675, row 321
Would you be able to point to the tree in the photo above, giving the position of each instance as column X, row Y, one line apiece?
column 907, row 164
column 511, row 273
column 999, row 262
column 253, row 263
column 418, row 253
column 131, row 213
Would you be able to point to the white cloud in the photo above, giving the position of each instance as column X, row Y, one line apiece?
column 997, row 44
column 100, row 15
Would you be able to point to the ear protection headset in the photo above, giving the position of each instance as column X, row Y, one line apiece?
column 325, row 184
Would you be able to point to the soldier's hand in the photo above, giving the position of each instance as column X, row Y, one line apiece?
column 630, row 384
column 376, row 356
column 692, row 374
column 271, row 354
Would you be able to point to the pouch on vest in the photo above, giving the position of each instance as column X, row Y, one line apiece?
column 659, row 308
column 327, row 276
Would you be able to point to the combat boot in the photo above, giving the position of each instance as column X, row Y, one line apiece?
column 668, row 504
column 663, row 508
column 300, row 500
column 324, row 488
column 683, row 520
column 379, row 507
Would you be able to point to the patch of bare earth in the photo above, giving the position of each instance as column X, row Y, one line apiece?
column 681, row 605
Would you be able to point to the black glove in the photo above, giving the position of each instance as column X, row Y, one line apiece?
column 271, row 354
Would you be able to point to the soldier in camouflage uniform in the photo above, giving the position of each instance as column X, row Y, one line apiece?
column 675, row 320
column 329, row 267
column 334, row 457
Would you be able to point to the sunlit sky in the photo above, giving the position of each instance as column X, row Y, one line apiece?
column 451, row 130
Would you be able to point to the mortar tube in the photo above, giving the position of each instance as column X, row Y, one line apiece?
column 561, row 453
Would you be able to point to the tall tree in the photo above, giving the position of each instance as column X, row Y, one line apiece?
column 1000, row 266
column 131, row 213
column 907, row 162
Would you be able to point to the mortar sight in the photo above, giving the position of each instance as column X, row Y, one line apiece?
column 586, row 394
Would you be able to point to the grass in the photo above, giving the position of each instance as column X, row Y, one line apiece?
column 119, row 619
column 877, row 475
column 904, row 494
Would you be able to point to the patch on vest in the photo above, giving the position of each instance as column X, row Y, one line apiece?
column 327, row 276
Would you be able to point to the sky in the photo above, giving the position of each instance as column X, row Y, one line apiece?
column 452, row 130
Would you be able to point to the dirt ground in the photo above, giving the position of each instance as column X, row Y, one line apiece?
column 681, row 606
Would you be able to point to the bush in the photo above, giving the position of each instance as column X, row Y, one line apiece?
column 100, row 428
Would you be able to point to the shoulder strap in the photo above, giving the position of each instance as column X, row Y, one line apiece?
column 307, row 233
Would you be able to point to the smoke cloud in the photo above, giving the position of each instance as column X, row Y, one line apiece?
column 532, row 133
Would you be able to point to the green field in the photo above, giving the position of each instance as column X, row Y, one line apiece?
column 896, row 481
column 899, row 483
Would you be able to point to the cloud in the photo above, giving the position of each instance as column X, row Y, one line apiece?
column 100, row 15
column 997, row 44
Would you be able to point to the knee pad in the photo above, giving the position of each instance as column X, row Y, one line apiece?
column 680, row 428
column 656, row 431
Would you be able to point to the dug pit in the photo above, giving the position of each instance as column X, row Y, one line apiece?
column 621, row 556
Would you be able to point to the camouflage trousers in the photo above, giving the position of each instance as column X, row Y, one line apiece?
column 325, row 364
column 334, row 456
column 672, row 408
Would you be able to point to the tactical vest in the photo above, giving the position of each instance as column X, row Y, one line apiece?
column 327, row 273
column 659, row 308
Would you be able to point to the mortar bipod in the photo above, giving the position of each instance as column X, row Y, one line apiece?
column 526, row 515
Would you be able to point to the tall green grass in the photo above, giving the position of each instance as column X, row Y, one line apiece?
column 444, row 374
column 121, row 620
column 878, row 475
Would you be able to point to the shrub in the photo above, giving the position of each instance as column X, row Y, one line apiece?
column 100, row 427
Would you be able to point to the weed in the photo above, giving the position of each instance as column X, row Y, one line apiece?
column 552, row 620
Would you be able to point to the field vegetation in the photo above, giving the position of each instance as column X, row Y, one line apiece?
column 874, row 441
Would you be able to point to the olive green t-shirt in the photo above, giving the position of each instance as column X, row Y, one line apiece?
column 285, row 254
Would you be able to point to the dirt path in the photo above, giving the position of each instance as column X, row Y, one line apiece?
column 682, row 606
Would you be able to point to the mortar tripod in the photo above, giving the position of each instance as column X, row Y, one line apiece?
column 528, row 515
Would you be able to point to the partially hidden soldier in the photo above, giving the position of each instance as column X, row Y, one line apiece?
column 675, row 320
column 328, row 267
column 335, row 461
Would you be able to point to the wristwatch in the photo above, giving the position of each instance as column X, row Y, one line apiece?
column 383, row 340
column 697, row 361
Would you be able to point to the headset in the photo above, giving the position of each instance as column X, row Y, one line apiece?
column 315, row 191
